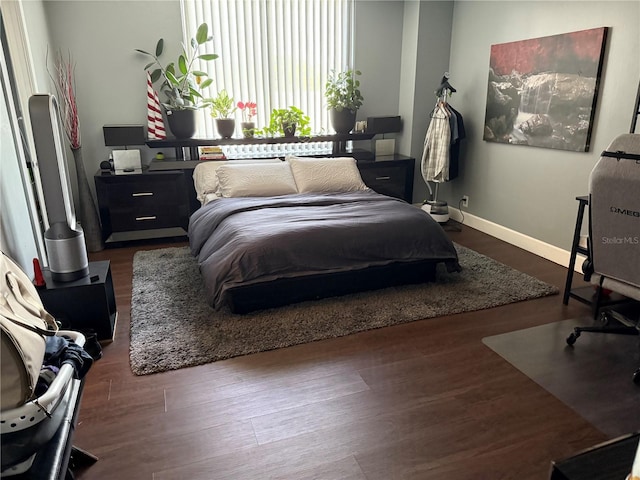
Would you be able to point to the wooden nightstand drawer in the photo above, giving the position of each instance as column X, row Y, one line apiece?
column 146, row 192
column 386, row 180
column 392, row 177
column 146, row 205
column 124, row 219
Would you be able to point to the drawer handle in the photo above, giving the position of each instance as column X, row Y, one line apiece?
column 142, row 194
column 383, row 178
column 152, row 217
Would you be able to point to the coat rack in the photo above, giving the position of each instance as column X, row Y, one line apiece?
column 438, row 210
column 445, row 89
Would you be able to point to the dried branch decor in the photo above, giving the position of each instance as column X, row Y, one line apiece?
column 64, row 82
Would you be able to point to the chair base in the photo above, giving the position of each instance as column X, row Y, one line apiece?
column 623, row 328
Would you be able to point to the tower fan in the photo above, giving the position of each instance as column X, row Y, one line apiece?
column 63, row 238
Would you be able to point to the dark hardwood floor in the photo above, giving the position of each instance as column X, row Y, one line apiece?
column 424, row 400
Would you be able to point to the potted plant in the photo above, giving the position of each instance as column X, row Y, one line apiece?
column 249, row 110
column 342, row 92
column 286, row 121
column 222, row 109
column 181, row 82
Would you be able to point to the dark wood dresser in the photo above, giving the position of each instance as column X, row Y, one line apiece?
column 151, row 204
column 392, row 175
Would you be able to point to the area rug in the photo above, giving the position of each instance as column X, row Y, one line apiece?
column 173, row 327
column 593, row 378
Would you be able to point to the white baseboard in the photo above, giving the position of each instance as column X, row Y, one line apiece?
column 530, row 244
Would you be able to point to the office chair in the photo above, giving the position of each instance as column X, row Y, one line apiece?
column 614, row 235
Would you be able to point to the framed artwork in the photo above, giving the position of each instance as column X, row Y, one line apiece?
column 542, row 92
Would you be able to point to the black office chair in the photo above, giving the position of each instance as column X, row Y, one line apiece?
column 614, row 236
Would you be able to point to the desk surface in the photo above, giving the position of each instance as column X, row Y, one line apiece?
column 99, row 269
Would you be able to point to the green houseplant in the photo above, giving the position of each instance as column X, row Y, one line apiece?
column 342, row 92
column 286, row 122
column 181, row 82
column 222, row 109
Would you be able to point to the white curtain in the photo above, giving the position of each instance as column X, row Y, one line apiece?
column 277, row 53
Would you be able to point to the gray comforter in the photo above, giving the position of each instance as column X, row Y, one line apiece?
column 241, row 241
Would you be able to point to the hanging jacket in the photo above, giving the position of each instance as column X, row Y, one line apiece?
column 437, row 144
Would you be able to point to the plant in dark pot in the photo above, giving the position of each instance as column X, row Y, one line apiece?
column 222, row 109
column 342, row 92
column 249, row 111
column 287, row 122
column 182, row 83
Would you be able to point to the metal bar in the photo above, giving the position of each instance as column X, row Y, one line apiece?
column 620, row 155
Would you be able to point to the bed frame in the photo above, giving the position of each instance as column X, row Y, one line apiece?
column 248, row 298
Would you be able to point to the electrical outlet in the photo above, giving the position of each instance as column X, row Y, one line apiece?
column 465, row 201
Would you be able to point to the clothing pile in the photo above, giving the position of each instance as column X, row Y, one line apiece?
column 58, row 351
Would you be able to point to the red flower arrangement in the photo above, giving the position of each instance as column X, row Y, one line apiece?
column 248, row 109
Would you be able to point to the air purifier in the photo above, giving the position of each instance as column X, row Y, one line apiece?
column 63, row 237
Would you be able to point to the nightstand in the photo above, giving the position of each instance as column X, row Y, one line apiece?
column 151, row 204
column 390, row 175
column 85, row 304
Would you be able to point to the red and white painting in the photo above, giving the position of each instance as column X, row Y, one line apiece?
column 542, row 92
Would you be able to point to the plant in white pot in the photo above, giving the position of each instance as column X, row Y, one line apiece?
column 222, row 109
column 342, row 92
column 181, row 82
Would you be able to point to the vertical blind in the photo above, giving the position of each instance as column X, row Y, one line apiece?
column 277, row 53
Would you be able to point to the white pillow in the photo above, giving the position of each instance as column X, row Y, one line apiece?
column 205, row 179
column 338, row 174
column 255, row 180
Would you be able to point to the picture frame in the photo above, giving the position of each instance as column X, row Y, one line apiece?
column 542, row 92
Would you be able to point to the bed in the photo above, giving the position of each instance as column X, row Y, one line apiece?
column 271, row 233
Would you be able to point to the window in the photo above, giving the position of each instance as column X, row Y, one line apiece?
column 277, row 53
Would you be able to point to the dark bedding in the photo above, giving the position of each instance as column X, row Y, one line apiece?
column 240, row 241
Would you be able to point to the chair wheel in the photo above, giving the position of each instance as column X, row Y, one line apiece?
column 604, row 318
column 636, row 377
column 571, row 339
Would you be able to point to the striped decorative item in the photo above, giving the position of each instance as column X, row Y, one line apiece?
column 155, row 123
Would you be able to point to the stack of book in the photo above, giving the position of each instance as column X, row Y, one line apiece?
column 212, row 153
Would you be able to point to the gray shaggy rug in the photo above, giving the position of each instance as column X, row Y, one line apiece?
column 173, row 327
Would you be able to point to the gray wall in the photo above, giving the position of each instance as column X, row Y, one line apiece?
column 110, row 81
column 526, row 189
column 378, row 40
column 425, row 51
column 402, row 49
